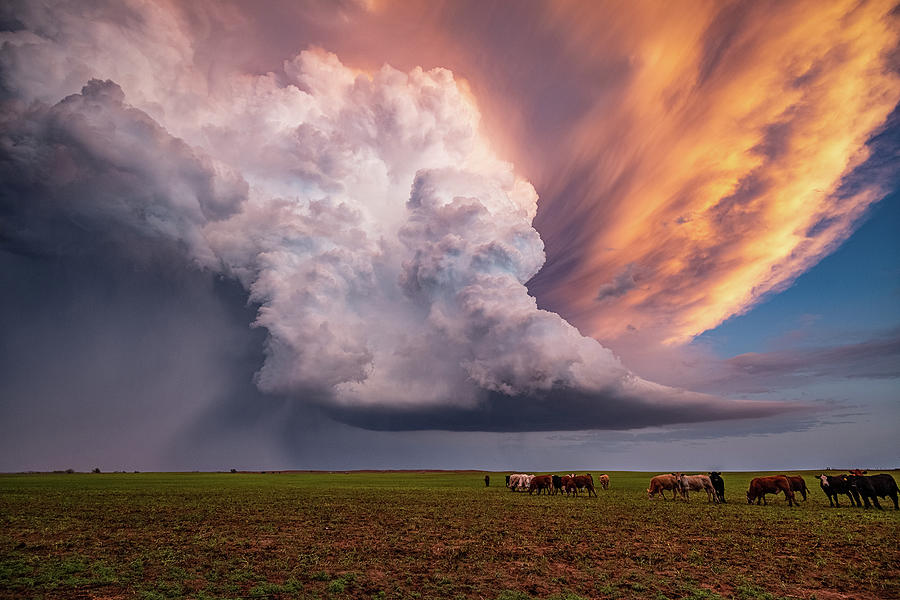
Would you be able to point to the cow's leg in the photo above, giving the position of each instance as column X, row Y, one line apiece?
column 894, row 498
column 875, row 502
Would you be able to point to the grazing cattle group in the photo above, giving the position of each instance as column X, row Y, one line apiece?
column 860, row 488
column 571, row 484
column 681, row 485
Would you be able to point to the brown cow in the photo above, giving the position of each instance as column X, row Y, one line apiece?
column 604, row 481
column 568, row 483
column 760, row 486
column 797, row 485
column 585, row 482
column 540, row 483
column 663, row 482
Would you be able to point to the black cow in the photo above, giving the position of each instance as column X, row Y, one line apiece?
column 873, row 486
column 840, row 484
column 718, row 485
column 507, row 481
column 557, row 484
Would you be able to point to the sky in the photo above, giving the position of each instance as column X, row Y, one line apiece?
column 454, row 235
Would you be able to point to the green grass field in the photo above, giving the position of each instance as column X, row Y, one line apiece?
column 426, row 535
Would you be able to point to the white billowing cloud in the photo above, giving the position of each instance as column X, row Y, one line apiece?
column 332, row 243
column 386, row 245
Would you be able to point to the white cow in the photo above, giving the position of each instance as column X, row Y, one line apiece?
column 520, row 481
column 697, row 483
column 525, row 482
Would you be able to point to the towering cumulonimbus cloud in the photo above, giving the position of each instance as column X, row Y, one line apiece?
column 386, row 245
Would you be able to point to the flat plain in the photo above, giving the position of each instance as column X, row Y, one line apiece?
column 427, row 535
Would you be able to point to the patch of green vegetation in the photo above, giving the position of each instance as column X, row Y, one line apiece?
column 270, row 589
column 513, row 595
column 754, row 593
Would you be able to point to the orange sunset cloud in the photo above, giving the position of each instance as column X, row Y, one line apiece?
column 712, row 168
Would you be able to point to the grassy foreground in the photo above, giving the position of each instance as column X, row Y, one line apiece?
column 426, row 535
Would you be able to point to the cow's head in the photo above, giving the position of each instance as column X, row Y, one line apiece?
column 750, row 497
column 824, row 480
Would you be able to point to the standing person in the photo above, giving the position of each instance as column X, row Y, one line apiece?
column 487, row 480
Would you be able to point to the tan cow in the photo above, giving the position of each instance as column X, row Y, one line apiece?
column 660, row 483
column 604, row 481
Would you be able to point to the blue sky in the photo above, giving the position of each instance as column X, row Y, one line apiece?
column 851, row 294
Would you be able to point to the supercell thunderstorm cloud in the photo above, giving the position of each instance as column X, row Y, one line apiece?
column 381, row 238
column 377, row 231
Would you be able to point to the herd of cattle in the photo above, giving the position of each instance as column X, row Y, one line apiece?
column 856, row 485
column 555, row 484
